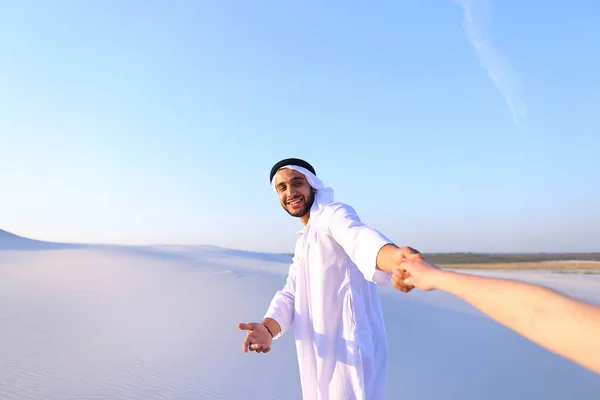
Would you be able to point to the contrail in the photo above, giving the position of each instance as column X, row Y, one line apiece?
column 497, row 67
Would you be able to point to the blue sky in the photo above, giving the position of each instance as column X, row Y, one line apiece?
column 448, row 125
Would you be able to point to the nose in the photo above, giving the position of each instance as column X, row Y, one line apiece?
column 290, row 192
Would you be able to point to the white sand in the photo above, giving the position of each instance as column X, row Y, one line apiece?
column 109, row 322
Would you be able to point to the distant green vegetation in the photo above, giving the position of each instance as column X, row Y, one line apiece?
column 562, row 271
column 495, row 258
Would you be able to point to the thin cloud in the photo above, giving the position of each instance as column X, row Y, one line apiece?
column 498, row 68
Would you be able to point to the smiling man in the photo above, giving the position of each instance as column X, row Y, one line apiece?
column 330, row 296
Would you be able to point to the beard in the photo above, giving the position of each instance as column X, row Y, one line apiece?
column 308, row 202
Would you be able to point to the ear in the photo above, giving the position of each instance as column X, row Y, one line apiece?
column 314, row 190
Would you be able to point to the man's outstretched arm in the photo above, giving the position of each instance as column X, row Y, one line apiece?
column 391, row 257
column 278, row 318
column 561, row 324
column 370, row 250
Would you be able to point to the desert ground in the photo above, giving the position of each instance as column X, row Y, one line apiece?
column 160, row 322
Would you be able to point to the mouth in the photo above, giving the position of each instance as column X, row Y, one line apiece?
column 295, row 202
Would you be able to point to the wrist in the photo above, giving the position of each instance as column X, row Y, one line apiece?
column 268, row 330
column 441, row 278
column 272, row 326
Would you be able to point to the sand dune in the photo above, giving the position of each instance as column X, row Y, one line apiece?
column 10, row 241
column 126, row 322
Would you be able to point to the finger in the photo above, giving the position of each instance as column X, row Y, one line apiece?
column 407, row 251
column 401, row 285
column 400, row 271
column 245, row 327
column 245, row 345
column 413, row 251
column 406, row 281
column 265, row 349
column 398, row 284
column 259, row 348
column 402, row 288
column 400, row 274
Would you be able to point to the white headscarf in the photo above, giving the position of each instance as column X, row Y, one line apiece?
column 323, row 196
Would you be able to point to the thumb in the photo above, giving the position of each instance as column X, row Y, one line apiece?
column 407, row 265
column 245, row 327
column 413, row 257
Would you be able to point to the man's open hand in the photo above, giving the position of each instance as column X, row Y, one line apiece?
column 257, row 338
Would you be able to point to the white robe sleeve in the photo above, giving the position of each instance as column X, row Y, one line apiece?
column 360, row 242
column 281, row 308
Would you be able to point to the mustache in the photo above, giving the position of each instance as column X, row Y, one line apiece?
column 292, row 199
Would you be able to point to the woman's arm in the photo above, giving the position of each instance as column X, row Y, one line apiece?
column 561, row 324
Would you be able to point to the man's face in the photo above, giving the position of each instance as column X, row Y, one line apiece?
column 295, row 194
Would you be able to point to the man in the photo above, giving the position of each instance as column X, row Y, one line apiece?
column 331, row 295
